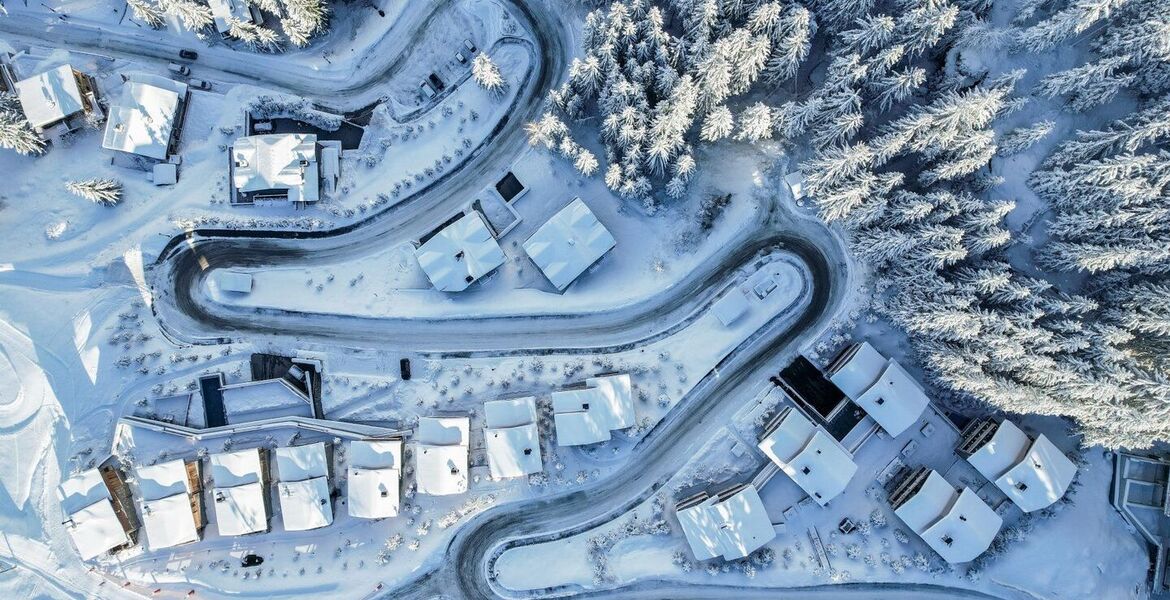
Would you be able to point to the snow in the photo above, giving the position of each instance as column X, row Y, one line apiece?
column 50, row 96
column 143, row 121
column 441, row 455
column 511, row 437
column 374, row 478
column 240, row 510
column 279, row 164
column 732, row 524
column 569, row 243
column 95, row 529
column 254, row 400
column 305, row 504
column 957, row 525
column 588, row 415
column 1040, row 478
column 730, row 307
column 168, row 521
column 895, row 400
column 296, row 463
column 459, row 254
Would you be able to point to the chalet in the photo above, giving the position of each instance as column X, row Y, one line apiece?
column 54, row 100
column 1032, row 473
column 959, row 526
column 170, row 498
column 374, row 478
column 303, row 487
column 587, row 414
column 442, row 456
column 811, row 457
column 96, row 516
column 568, row 244
column 240, row 491
column 284, row 166
column 459, row 254
column 147, row 119
column 511, row 437
column 225, row 11
column 731, row 524
column 880, row 386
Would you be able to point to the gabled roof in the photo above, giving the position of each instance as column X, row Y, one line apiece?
column 809, row 456
column 459, row 254
column 441, row 459
column 860, row 371
column 587, row 416
column 297, row 463
column 305, row 504
column 510, row 412
column 168, row 521
column 1041, row 478
column 569, row 243
column 374, row 478
column 229, row 469
column 93, row 525
column 731, row 528
column 1003, row 451
column 959, row 526
column 144, row 119
column 511, row 437
column 223, row 10
column 50, row 96
column 162, row 480
column 240, row 510
column 894, row 400
column 95, row 529
column 278, row 161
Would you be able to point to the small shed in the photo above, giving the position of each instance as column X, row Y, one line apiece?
column 234, row 281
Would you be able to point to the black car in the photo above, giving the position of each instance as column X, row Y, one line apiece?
column 404, row 369
column 188, row 54
column 251, row 560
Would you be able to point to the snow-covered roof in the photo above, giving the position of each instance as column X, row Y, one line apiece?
column 795, row 182
column 855, row 375
column 168, row 521
column 144, row 119
column 240, row 510
column 164, row 174
column 894, row 400
column 277, row 162
column 570, row 242
column 93, row 525
column 730, row 307
column 374, row 478
column 297, row 463
column 1040, row 479
column 229, row 469
column 224, row 10
column 233, row 281
column 441, row 459
column 1003, row 451
column 809, row 456
column 459, row 254
column 267, row 398
column 305, row 504
column 881, row 387
column 587, row 416
column 50, row 96
column 731, row 528
column 239, row 492
column 96, row 529
column 959, row 526
column 162, row 480
column 511, row 437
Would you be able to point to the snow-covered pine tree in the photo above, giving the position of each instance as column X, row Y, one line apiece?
column 195, row 16
column 1078, row 16
column 718, row 124
column 1089, row 85
column 148, row 12
column 487, row 74
column 15, row 132
column 1022, row 138
column 107, row 192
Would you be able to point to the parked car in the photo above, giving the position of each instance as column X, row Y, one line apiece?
column 459, row 57
column 179, row 69
column 200, row 84
column 404, row 369
column 262, row 126
column 435, row 81
column 470, row 46
column 427, row 90
column 188, row 54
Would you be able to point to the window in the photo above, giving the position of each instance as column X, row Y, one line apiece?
column 1023, row 487
column 805, row 470
column 880, row 401
column 948, row 540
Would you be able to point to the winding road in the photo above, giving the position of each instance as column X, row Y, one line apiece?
column 189, row 316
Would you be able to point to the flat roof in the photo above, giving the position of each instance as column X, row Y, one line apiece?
column 50, row 96
column 241, row 467
column 297, row 463
column 569, row 243
column 305, row 504
column 233, row 281
column 729, row 308
column 95, row 529
column 1040, row 478
column 459, row 254
column 168, row 521
column 513, row 451
column 162, row 480
column 253, row 400
column 240, row 510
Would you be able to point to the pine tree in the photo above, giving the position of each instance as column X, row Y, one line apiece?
column 1022, row 138
column 486, row 73
column 15, row 131
column 148, row 12
column 194, row 15
column 107, row 192
column 1090, row 85
column 718, row 124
